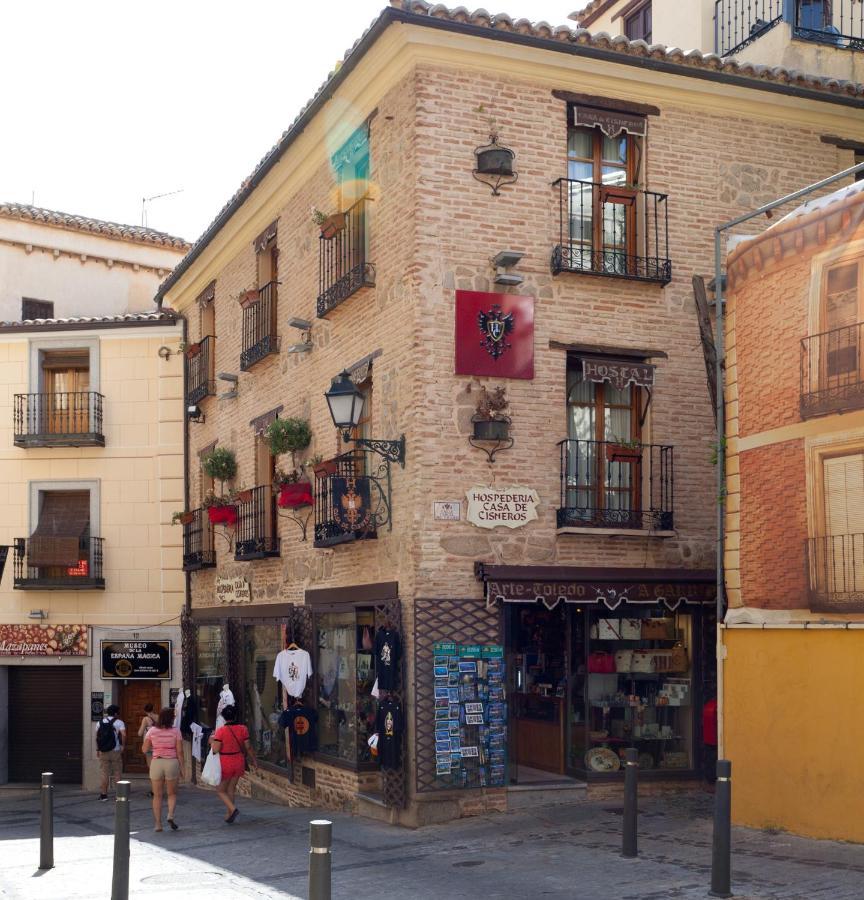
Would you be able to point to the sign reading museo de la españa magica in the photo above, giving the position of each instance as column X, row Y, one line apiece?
column 510, row 507
column 136, row 659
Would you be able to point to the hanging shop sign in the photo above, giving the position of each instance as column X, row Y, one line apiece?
column 233, row 590
column 618, row 372
column 511, row 507
column 470, row 715
column 44, row 640
column 610, row 121
column 608, row 593
column 136, row 659
column 352, row 503
column 494, row 334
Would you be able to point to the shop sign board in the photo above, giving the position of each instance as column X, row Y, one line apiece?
column 511, row 507
column 136, row 659
column 609, row 593
column 44, row 640
column 233, row 590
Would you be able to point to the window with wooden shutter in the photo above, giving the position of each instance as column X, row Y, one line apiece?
column 843, row 488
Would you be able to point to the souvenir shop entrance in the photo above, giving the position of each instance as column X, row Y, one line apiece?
column 585, row 682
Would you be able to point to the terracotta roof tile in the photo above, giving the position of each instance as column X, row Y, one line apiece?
column 134, row 233
column 168, row 316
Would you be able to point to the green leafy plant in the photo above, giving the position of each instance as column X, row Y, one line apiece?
column 716, row 448
column 318, row 217
column 315, row 460
column 184, row 517
column 288, row 435
column 221, row 465
column 280, row 477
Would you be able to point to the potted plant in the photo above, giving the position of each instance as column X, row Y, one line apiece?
column 293, row 493
column 288, row 436
column 220, row 464
column 242, row 495
column 323, row 468
column 193, row 350
column 247, row 298
column 220, row 511
column 623, row 451
column 493, row 159
column 184, row 517
column 490, row 423
column 330, row 225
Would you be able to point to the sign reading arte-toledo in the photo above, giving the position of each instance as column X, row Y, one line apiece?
column 233, row 590
column 512, row 507
column 44, row 640
column 136, row 659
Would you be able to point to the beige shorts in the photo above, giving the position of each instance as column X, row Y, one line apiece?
column 164, row 770
column 111, row 763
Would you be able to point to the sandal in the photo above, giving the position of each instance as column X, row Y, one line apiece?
column 233, row 816
column 174, row 825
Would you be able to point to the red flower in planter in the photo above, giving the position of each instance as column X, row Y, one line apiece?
column 292, row 496
column 222, row 515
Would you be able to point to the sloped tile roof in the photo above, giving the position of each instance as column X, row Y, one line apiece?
column 159, row 316
column 586, row 14
column 134, row 233
column 691, row 62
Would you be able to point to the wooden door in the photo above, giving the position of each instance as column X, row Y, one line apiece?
column 133, row 697
column 46, row 723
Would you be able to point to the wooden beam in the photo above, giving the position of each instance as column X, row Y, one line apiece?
column 626, row 106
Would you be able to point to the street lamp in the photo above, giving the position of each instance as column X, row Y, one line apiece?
column 346, row 408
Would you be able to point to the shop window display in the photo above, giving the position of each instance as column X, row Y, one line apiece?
column 261, row 644
column 210, row 672
column 346, row 675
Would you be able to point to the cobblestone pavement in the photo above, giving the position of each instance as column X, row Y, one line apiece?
column 568, row 851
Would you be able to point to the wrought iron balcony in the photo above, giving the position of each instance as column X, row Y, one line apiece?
column 612, row 230
column 832, row 371
column 259, row 327
column 200, row 364
column 69, row 419
column 58, row 564
column 611, row 485
column 835, row 566
column 198, row 549
column 343, row 266
column 835, row 23
column 352, row 499
column 257, row 532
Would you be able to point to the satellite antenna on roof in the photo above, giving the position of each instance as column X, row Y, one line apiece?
column 146, row 200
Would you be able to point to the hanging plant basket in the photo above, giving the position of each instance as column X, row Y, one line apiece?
column 491, row 429
column 222, row 515
column 293, row 496
column 494, row 160
column 193, row 350
column 332, row 225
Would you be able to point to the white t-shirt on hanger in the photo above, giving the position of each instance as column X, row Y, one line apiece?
column 293, row 668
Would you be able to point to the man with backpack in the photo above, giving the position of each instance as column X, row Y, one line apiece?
column 110, row 744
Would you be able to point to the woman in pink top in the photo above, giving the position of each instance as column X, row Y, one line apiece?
column 167, row 766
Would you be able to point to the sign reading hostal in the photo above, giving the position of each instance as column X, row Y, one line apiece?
column 233, row 590
column 511, row 507
column 44, row 640
column 136, row 659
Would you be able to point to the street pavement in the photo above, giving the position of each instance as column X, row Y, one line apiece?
column 567, row 851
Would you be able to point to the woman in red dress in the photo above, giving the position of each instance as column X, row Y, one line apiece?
column 231, row 742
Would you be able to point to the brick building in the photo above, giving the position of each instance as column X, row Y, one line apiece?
column 562, row 274
column 795, row 547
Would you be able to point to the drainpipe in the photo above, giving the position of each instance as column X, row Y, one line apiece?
column 719, row 233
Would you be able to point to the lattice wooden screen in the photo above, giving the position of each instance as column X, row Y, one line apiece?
column 388, row 614
column 462, row 621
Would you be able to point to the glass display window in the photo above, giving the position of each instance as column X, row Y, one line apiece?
column 262, row 704
column 210, row 671
column 345, row 678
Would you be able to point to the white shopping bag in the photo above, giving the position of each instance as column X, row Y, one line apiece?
column 212, row 772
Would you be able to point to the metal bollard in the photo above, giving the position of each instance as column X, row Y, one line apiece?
column 320, row 859
column 631, row 774
column 120, row 879
column 46, row 824
column 721, row 862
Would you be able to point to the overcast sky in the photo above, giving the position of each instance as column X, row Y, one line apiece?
column 105, row 103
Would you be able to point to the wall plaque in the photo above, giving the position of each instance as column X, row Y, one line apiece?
column 447, row 510
column 136, row 659
column 494, row 334
column 44, row 640
column 233, row 590
column 511, row 507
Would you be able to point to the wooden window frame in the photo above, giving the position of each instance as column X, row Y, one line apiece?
column 638, row 17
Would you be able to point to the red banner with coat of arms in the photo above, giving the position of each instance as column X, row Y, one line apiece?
column 494, row 335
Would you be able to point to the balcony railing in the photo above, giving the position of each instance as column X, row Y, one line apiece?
column 257, row 532
column 352, row 500
column 198, row 549
column 836, row 572
column 343, row 266
column 35, row 570
column 611, row 485
column 259, row 327
column 201, row 371
column 832, row 371
column 617, row 231
column 69, row 419
column 836, row 23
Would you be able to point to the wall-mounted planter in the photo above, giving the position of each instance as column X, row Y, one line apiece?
column 193, row 350
column 187, row 518
column 491, row 429
column 293, row 496
column 323, row 469
column 623, row 453
column 244, row 496
column 332, row 225
column 495, row 160
column 222, row 515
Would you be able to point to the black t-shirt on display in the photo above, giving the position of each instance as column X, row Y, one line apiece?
column 301, row 724
column 388, row 724
column 388, row 653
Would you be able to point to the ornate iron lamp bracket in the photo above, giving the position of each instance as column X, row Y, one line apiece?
column 392, row 451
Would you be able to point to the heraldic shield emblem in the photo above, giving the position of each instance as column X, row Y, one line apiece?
column 495, row 326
